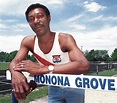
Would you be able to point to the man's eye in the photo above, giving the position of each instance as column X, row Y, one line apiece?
column 40, row 16
column 30, row 19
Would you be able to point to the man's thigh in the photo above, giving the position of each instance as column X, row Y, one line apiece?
column 55, row 95
column 75, row 96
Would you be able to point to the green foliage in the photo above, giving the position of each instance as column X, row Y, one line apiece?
column 8, row 57
column 3, row 56
column 11, row 56
column 97, row 55
column 31, row 57
column 114, row 55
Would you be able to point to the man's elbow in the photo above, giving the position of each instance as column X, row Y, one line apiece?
column 86, row 68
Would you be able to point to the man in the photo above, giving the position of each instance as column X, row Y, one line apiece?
column 59, row 49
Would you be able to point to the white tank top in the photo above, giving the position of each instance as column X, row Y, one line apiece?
column 55, row 56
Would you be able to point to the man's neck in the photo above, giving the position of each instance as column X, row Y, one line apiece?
column 48, row 37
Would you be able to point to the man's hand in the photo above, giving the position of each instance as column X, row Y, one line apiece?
column 28, row 66
column 20, row 86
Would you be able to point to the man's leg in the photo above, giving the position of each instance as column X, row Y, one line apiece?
column 55, row 95
column 14, row 100
column 75, row 95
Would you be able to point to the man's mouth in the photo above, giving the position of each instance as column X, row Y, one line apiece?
column 39, row 26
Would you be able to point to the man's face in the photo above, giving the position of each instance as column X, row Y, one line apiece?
column 38, row 21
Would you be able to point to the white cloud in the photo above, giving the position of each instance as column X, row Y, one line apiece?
column 74, row 18
column 103, row 18
column 11, row 7
column 54, row 2
column 110, row 18
column 93, row 7
column 71, row 23
column 22, row 25
column 77, row 26
column 103, row 39
column 2, row 27
column 16, row 7
column 100, row 17
column 10, row 43
column 17, row 27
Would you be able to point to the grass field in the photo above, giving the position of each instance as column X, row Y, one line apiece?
column 38, row 93
column 4, row 65
column 106, row 73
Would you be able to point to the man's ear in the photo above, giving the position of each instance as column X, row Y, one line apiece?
column 49, row 18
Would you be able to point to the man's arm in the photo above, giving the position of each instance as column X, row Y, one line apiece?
column 19, row 82
column 78, row 64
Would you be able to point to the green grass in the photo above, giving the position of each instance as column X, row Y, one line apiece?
column 36, row 95
column 106, row 73
column 4, row 65
column 5, row 98
column 40, row 92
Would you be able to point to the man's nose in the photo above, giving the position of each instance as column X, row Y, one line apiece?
column 37, row 20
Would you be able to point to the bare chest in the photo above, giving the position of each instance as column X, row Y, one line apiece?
column 46, row 48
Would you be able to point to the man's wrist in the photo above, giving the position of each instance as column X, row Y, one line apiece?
column 51, row 68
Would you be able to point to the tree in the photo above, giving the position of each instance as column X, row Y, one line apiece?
column 114, row 55
column 11, row 56
column 31, row 57
column 97, row 55
column 8, row 57
column 2, row 56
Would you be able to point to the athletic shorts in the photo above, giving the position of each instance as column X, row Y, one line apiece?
column 65, row 95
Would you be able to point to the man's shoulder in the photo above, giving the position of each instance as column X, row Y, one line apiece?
column 28, row 42
column 65, row 41
column 29, row 38
column 64, row 35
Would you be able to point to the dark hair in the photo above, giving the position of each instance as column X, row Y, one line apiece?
column 37, row 5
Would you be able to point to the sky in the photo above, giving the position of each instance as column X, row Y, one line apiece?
column 93, row 23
